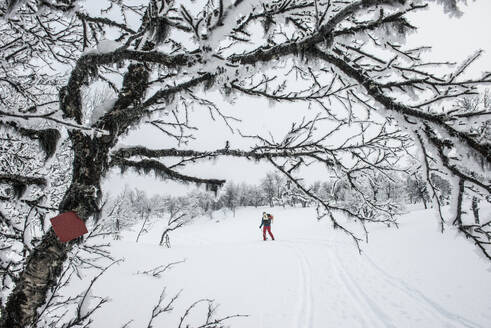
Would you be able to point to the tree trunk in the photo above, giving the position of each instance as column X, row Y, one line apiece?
column 43, row 267
column 475, row 210
column 45, row 263
column 163, row 237
column 143, row 225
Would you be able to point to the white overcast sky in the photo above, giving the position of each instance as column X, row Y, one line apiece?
column 452, row 39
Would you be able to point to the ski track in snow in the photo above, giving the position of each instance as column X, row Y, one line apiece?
column 361, row 299
column 422, row 299
column 375, row 317
column 357, row 302
column 305, row 312
column 378, row 317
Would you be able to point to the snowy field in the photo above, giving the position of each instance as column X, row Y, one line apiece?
column 311, row 276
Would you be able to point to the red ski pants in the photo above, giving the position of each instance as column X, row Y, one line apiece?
column 268, row 229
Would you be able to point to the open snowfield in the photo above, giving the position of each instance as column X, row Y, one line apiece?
column 311, row 276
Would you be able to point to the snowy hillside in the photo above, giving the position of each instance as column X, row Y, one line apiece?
column 311, row 276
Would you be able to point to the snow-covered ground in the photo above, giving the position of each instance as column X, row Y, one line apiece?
column 311, row 276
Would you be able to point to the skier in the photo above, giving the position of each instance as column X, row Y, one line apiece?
column 266, row 225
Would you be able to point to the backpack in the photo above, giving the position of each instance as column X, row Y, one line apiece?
column 270, row 217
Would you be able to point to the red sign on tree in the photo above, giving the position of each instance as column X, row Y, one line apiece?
column 68, row 226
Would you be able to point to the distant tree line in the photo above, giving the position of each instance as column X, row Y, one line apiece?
column 134, row 208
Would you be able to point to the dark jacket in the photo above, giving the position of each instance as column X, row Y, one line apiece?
column 266, row 222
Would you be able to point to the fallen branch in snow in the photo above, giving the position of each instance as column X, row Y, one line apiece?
column 210, row 321
column 157, row 271
column 164, row 306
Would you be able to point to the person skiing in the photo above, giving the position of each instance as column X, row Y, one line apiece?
column 266, row 225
